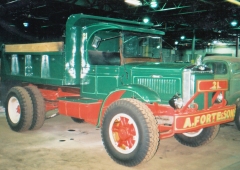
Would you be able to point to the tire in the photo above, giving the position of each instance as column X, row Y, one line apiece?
column 5, row 87
column 38, row 107
column 19, row 109
column 77, row 120
column 237, row 118
column 198, row 138
column 136, row 136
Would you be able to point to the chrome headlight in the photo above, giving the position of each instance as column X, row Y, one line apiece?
column 219, row 98
column 176, row 102
column 179, row 103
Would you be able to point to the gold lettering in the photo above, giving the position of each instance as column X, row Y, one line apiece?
column 232, row 113
column 214, row 85
column 196, row 120
column 208, row 120
column 218, row 87
column 187, row 123
column 219, row 116
column 214, row 116
column 203, row 119
column 226, row 114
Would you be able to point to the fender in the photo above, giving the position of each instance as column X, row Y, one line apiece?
column 233, row 98
column 139, row 92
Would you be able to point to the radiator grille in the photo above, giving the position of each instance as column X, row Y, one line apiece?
column 162, row 85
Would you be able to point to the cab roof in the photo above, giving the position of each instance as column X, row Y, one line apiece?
column 229, row 60
column 82, row 20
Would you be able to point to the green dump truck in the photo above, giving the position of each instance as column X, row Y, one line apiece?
column 109, row 73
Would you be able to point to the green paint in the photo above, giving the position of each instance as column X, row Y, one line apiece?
column 226, row 68
column 100, row 71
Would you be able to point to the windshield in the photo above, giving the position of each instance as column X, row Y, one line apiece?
column 114, row 47
column 138, row 45
column 217, row 67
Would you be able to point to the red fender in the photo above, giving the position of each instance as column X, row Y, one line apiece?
column 112, row 97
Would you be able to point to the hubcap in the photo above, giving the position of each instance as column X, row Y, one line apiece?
column 194, row 133
column 14, row 110
column 123, row 133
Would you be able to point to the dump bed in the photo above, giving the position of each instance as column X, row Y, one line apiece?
column 66, row 63
column 42, row 63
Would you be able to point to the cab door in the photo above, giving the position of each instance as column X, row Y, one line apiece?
column 107, row 79
column 102, row 74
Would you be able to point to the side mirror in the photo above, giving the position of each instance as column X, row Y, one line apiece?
column 96, row 41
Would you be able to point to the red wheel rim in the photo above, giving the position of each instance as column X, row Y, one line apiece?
column 123, row 133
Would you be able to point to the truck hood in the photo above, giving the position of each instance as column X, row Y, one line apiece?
column 163, row 78
column 158, row 67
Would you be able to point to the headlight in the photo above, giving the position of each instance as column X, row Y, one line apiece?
column 176, row 102
column 179, row 103
column 219, row 98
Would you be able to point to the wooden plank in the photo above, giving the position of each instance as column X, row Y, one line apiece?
column 35, row 47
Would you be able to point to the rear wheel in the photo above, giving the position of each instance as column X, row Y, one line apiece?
column 38, row 107
column 198, row 138
column 19, row 109
column 237, row 117
column 130, row 132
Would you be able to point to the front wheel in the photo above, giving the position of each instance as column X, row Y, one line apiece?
column 19, row 109
column 237, row 117
column 198, row 138
column 130, row 132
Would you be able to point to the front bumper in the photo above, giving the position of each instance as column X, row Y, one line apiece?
column 201, row 119
column 171, row 121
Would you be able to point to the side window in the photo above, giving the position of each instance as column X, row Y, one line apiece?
column 107, row 53
column 103, row 58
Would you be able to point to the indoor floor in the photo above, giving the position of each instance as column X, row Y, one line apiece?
column 62, row 144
